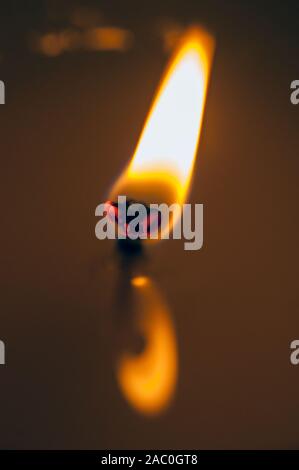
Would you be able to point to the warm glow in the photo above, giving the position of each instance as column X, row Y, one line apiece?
column 96, row 39
column 148, row 380
column 162, row 165
column 108, row 38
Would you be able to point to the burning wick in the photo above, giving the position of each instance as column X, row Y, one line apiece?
column 118, row 213
column 161, row 168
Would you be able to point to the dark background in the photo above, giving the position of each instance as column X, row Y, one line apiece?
column 69, row 125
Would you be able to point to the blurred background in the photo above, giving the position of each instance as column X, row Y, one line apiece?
column 80, row 77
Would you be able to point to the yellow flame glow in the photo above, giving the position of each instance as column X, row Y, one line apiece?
column 148, row 380
column 162, row 165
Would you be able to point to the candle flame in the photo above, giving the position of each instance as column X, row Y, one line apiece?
column 162, row 164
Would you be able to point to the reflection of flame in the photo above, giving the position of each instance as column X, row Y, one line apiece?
column 148, row 380
column 161, row 167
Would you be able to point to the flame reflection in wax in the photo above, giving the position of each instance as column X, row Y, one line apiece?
column 148, row 379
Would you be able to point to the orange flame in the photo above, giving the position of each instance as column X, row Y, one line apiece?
column 148, row 380
column 162, row 165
